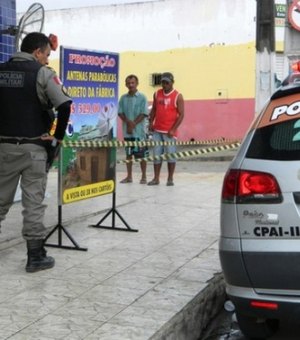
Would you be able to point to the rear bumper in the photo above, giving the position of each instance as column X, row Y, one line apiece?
column 239, row 288
column 269, row 266
column 288, row 306
column 232, row 262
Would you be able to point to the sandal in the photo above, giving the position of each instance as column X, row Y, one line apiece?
column 143, row 181
column 153, row 182
column 170, row 183
column 126, row 180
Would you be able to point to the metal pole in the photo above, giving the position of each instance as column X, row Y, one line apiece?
column 265, row 52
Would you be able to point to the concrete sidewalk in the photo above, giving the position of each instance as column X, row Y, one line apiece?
column 161, row 282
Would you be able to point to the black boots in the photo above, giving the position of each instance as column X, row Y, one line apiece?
column 37, row 257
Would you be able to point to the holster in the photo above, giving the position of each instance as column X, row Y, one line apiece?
column 52, row 153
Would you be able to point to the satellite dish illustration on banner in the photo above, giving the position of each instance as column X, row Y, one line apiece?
column 31, row 21
column 107, row 118
column 102, row 129
column 70, row 129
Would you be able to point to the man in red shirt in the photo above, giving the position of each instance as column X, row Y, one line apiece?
column 165, row 117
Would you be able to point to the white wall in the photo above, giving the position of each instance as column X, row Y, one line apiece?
column 155, row 26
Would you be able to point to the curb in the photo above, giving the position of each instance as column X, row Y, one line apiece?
column 194, row 318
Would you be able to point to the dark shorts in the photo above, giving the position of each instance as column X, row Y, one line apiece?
column 136, row 151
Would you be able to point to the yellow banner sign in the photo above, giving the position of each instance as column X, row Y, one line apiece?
column 88, row 191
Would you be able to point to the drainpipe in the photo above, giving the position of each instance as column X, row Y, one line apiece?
column 265, row 52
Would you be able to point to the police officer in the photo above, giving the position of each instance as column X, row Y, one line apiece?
column 28, row 89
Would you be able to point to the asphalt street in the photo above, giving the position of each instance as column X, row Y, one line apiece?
column 225, row 327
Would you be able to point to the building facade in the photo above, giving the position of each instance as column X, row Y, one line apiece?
column 7, row 20
column 209, row 46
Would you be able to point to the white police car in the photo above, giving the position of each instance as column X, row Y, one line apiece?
column 260, row 219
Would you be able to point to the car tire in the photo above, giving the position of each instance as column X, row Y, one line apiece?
column 256, row 328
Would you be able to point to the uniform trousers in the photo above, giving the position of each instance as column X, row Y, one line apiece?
column 24, row 163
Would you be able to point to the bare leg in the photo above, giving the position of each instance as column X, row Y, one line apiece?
column 129, row 168
column 143, row 169
column 171, row 170
column 128, row 178
column 157, row 168
column 155, row 180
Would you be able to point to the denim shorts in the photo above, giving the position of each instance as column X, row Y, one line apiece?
column 161, row 149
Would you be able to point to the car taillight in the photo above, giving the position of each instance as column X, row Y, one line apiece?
column 245, row 186
column 264, row 305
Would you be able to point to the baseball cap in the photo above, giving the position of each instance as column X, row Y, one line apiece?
column 167, row 76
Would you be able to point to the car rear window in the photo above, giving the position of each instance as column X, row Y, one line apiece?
column 276, row 142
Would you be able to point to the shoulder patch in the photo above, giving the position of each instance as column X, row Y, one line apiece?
column 57, row 80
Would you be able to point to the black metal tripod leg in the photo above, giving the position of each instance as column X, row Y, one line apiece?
column 113, row 211
column 51, row 232
column 122, row 219
column 59, row 229
column 103, row 218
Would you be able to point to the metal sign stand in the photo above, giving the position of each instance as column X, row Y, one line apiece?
column 113, row 211
column 59, row 227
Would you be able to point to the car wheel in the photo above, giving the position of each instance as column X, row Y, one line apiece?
column 257, row 328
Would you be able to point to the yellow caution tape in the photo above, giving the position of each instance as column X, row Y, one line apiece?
column 118, row 143
column 182, row 154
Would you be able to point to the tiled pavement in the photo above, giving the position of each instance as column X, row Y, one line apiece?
column 127, row 285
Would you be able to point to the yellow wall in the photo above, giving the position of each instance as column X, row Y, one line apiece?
column 199, row 72
column 54, row 63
